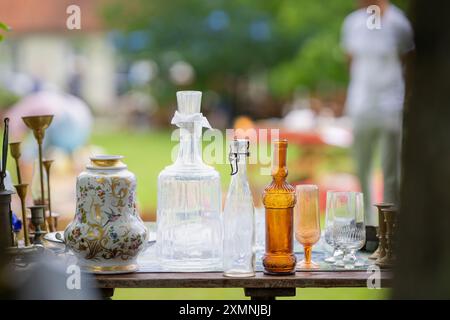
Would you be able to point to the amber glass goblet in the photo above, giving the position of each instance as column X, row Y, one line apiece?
column 307, row 222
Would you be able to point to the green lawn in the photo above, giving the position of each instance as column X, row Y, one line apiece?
column 146, row 155
column 238, row 294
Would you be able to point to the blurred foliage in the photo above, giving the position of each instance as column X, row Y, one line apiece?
column 295, row 43
column 7, row 98
column 3, row 27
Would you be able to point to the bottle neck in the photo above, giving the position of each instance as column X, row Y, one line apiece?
column 241, row 166
column 279, row 169
column 190, row 147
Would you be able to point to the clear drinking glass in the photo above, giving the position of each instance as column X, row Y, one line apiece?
column 329, row 219
column 348, row 226
column 307, row 222
column 189, row 225
column 239, row 217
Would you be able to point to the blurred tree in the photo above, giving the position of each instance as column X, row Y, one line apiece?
column 7, row 99
column 3, row 27
column 293, row 43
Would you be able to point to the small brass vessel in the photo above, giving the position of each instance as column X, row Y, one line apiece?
column 37, row 219
column 14, row 147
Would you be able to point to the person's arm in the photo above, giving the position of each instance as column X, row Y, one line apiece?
column 349, row 59
column 406, row 40
column 407, row 57
column 407, row 53
column 346, row 42
column 407, row 61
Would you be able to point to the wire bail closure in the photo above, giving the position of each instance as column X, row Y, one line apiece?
column 234, row 157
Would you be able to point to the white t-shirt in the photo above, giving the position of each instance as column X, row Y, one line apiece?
column 376, row 89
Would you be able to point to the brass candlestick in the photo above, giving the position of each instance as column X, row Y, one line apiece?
column 15, row 153
column 47, row 165
column 389, row 259
column 37, row 219
column 22, row 192
column 39, row 124
column 381, row 250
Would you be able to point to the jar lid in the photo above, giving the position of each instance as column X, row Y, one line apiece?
column 106, row 162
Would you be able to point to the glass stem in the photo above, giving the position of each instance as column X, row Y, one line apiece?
column 308, row 250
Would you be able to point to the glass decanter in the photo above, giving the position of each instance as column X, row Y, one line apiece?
column 279, row 200
column 239, row 217
column 189, row 226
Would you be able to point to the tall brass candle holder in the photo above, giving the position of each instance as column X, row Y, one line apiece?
column 14, row 147
column 38, row 124
column 51, row 222
column 22, row 192
column 37, row 219
column 381, row 231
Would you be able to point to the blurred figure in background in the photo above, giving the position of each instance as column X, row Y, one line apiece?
column 376, row 94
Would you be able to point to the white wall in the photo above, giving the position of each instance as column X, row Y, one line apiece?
column 51, row 58
column 99, row 77
column 44, row 57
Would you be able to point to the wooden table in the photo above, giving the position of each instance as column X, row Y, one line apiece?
column 260, row 287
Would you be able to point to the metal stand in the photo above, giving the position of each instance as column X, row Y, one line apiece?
column 6, row 229
column 268, row 294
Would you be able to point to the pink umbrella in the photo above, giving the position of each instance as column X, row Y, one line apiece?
column 72, row 118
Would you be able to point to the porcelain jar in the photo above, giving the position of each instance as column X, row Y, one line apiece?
column 107, row 233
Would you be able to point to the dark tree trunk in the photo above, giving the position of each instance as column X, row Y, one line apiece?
column 423, row 269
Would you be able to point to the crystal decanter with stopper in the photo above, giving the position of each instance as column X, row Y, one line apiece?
column 239, row 217
column 189, row 226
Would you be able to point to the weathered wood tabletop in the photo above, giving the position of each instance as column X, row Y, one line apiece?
column 259, row 287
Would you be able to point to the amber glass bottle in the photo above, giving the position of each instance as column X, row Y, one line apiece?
column 279, row 200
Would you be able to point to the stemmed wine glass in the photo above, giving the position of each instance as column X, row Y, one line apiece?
column 348, row 226
column 329, row 239
column 307, row 222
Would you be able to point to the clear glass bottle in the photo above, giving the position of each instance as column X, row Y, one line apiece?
column 279, row 200
column 239, row 217
column 189, row 225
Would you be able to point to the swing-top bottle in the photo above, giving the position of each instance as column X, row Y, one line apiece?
column 239, row 216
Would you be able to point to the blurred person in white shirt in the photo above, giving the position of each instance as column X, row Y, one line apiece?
column 375, row 46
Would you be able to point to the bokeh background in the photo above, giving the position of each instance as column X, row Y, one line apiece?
column 112, row 84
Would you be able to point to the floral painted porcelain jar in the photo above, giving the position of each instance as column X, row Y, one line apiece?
column 107, row 233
